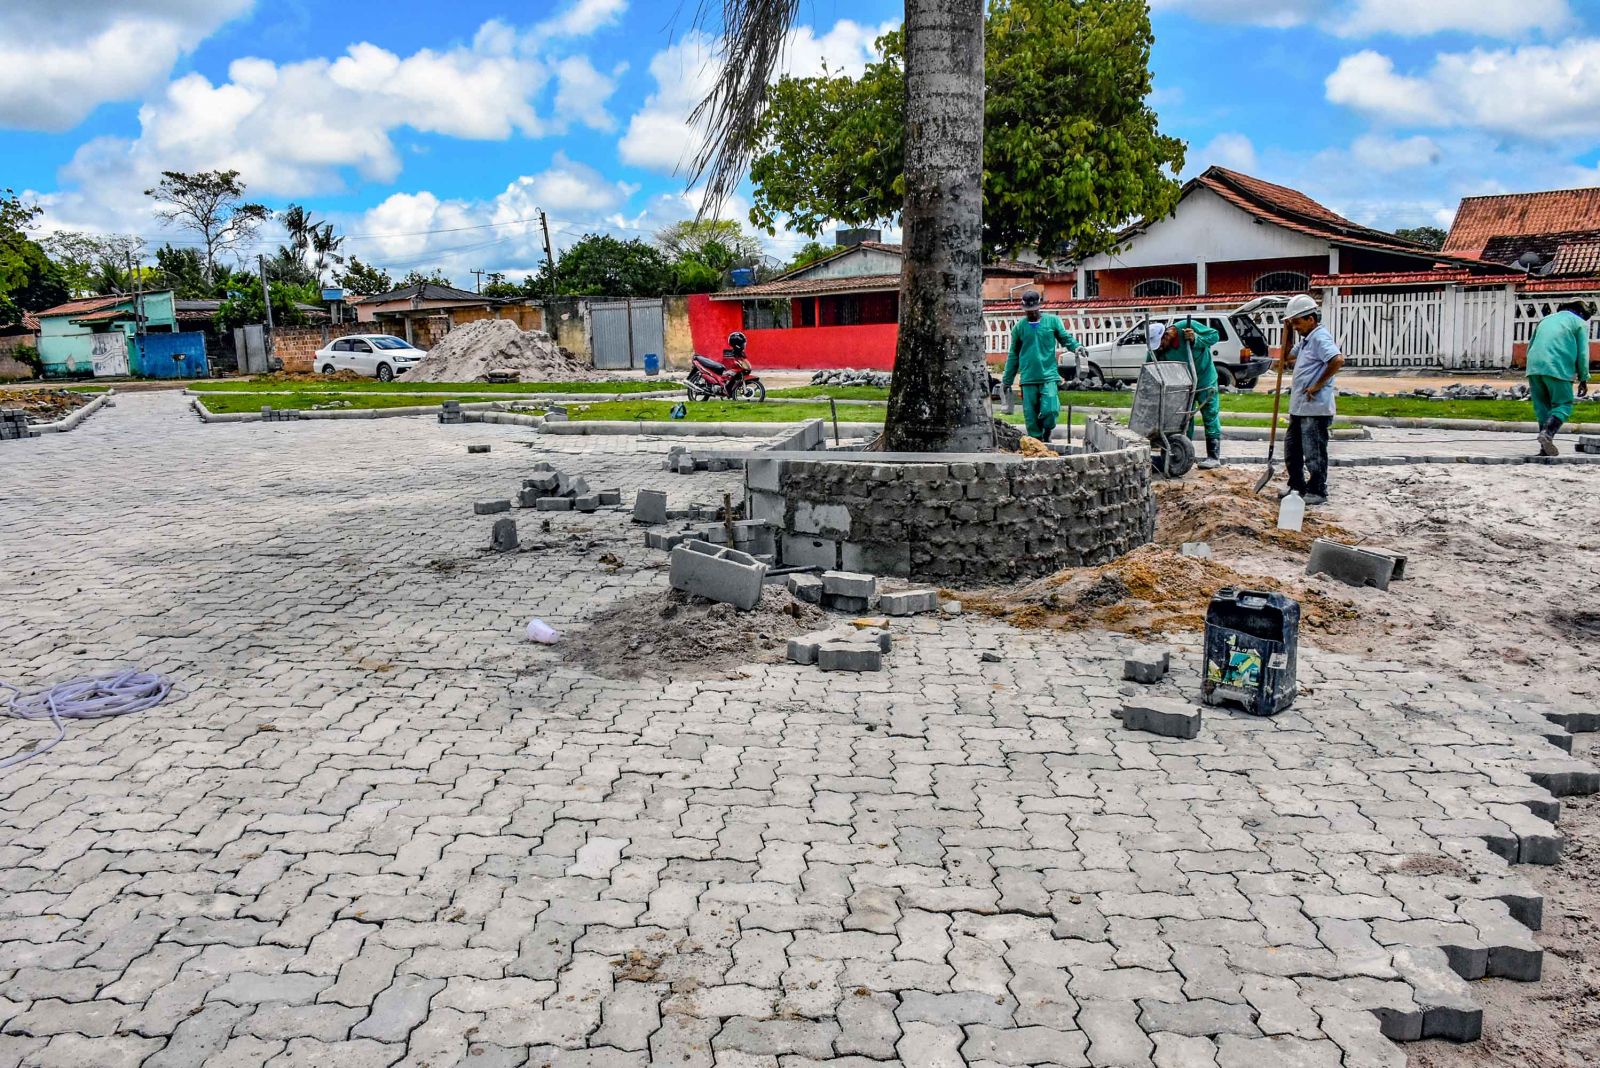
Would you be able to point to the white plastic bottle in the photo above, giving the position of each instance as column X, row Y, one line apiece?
column 1291, row 512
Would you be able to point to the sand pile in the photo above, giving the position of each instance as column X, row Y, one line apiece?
column 1152, row 590
column 469, row 353
column 674, row 634
column 1222, row 507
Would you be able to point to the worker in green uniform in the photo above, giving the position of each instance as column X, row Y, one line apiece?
column 1192, row 340
column 1033, row 358
column 1558, row 354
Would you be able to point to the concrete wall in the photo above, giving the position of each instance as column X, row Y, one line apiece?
column 679, row 333
column 957, row 520
column 868, row 346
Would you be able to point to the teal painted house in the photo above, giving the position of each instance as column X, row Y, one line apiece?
column 97, row 335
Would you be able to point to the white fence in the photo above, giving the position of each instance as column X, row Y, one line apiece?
column 1452, row 327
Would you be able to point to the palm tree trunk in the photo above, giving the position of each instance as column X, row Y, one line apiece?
column 939, row 398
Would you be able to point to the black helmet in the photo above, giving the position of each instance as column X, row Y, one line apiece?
column 736, row 339
column 1032, row 299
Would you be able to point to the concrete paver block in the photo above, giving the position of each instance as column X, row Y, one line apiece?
column 475, row 449
column 849, row 655
column 807, row 588
column 553, row 504
column 848, row 584
column 908, row 602
column 1350, row 565
column 718, row 574
column 504, row 537
column 650, row 506
column 1147, row 667
column 491, row 507
column 1164, row 716
column 589, row 502
column 610, row 498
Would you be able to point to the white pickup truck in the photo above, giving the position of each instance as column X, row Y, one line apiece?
column 1120, row 360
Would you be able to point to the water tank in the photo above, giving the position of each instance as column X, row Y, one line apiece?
column 743, row 276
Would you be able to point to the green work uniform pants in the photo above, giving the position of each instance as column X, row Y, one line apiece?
column 1041, row 407
column 1210, row 404
column 1551, row 397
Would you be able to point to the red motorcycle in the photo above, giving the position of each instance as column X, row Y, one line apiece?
column 729, row 378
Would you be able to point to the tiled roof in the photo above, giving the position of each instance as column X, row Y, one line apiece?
column 30, row 321
column 426, row 291
column 1409, row 278
column 1180, row 301
column 84, row 305
column 1293, row 210
column 105, row 315
column 1480, row 218
column 813, row 287
column 1577, row 257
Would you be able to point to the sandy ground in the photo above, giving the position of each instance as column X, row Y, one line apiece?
column 1502, row 587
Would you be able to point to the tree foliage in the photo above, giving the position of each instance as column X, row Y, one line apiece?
column 710, row 241
column 810, row 252
column 212, row 205
column 1071, row 150
column 602, row 265
column 87, row 260
column 245, row 305
column 414, row 277
column 183, row 271
column 29, row 279
column 363, row 279
column 1426, row 236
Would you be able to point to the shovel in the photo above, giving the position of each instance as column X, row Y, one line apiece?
column 1277, row 402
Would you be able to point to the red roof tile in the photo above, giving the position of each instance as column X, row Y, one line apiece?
column 103, row 316
column 813, row 287
column 86, row 304
column 1577, row 257
column 1293, row 210
column 1411, row 278
column 1481, row 218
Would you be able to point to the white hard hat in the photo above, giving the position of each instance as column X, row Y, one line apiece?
column 1156, row 332
column 1299, row 305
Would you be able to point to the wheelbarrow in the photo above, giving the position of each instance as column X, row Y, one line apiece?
column 1163, row 411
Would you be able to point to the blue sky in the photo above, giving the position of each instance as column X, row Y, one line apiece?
column 432, row 132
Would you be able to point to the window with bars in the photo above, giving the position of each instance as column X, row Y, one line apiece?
column 1158, row 287
column 1283, row 282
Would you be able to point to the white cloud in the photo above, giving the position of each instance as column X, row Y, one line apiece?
column 1535, row 92
column 1387, row 154
column 1232, row 150
column 296, row 129
column 59, row 61
column 582, row 18
column 1509, row 19
column 660, row 136
column 1421, row 18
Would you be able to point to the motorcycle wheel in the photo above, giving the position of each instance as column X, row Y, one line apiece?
column 754, row 391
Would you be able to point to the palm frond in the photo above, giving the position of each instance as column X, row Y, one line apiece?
column 752, row 35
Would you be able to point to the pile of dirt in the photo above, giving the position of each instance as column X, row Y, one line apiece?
column 675, row 634
column 300, row 378
column 1152, row 590
column 44, row 405
column 469, row 353
column 1221, row 507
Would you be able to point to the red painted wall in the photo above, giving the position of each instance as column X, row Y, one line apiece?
column 1119, row 282
column 801, row 347
column 1239, row 276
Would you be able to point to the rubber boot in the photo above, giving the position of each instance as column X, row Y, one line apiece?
column 1547, row 437
column 1213, row 458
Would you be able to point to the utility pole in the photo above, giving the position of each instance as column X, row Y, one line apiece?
column 266, row 293
column 478, row 272
column 549, row 257
column 138, row 297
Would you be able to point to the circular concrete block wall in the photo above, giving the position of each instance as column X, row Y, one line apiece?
column 959, row 520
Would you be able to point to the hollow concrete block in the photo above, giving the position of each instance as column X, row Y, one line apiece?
column 1349, row 564
column 718, row 574
column 650, row 506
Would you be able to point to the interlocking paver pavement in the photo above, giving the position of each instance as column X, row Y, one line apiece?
column 381, row 828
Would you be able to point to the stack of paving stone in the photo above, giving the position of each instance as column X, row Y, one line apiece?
column 753, row 536
column 549, row 490
column 857, row 647
column 682, row 461
column 1589, row 443
column 278, row 415
column 450, row 412
column 14, row 424
column 846, row 591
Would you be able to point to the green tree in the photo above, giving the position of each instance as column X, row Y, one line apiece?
column 184, row 272
column 29, row 279
column 288, row 264
column 434, row 277
column 1071, row 150
column 80, row 255
column 601, row 265
column 709, row 241
column 692, row 276
column 497, row 285
column 810, row 252
column 1426, row 236
column 363, row 279
column 212, row 205
column 245, row 305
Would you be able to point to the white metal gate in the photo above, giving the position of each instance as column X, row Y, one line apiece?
column 622, row 333
column 1389, row 329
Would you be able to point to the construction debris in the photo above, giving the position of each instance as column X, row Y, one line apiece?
column 1350, row 564
column 859, row 649
column 807, row 588
column 504, row 537
column 849, row 376
column 44, row 405
column 473, row 352
column 717, row 574
column 14, row 425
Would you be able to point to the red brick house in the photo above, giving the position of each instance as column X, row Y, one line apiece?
column 1553, row 234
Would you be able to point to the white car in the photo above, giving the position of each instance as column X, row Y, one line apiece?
column 379, row 355
column 1121, row 360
